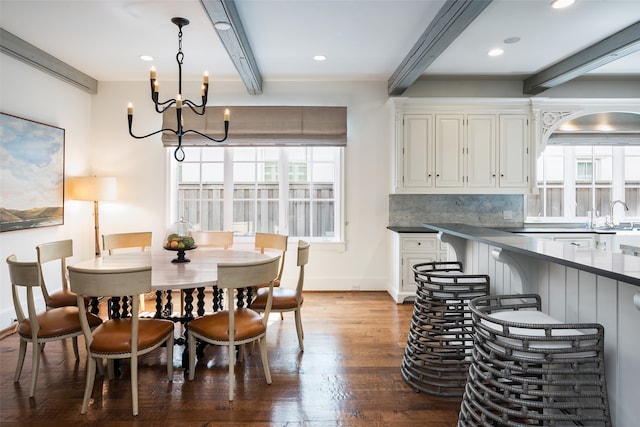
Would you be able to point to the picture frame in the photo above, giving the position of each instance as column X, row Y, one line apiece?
column 31, row 174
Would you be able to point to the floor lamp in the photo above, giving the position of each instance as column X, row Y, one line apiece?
column 95, row 189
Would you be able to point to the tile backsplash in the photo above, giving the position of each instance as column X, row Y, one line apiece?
column 490, row 210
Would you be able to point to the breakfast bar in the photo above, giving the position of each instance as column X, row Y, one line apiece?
column 575, row 285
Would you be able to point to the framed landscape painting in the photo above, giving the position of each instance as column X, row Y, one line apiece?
column 31, row 174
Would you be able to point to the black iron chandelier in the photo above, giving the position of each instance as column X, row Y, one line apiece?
column 179, row 101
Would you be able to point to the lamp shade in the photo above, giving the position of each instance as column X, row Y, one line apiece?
column 93, row 188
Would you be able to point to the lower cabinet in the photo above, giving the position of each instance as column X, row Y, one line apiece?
column 410, row 249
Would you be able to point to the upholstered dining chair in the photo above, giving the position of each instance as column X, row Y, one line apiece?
column 39, row 328
column 56, row 252
column 236, row 326
column 120, row 338
column 141, row 240
column 213, row 239
column 287, row 299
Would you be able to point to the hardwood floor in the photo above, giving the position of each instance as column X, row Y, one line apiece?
column 349, row 375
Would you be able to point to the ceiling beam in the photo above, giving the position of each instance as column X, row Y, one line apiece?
column 607, row 50
column 235, row 42
column 16, row 47
column 452, row 19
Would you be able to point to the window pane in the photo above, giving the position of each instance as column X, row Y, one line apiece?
column 603, row 199
column 632, row 197
column 324, row 154
column 299, row 212
column 554, row 200
column 212, row 216
column 243, row 217
column 323, row 172
column 297, row 154
column 603, row 169
column 244, row 172
column 324, row 214
column 534, row 205
column 213, row 154
column 189, row 172
column 553, row 169
column 212, row 172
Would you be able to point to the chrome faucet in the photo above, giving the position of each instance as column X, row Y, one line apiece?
column 611, row 206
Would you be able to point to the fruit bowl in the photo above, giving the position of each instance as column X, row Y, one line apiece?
column 178, row 239
column 180, row 244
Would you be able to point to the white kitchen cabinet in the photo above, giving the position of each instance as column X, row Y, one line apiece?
column 465, row 150
column 514, row 151
column 449, row 146
column 410, row 249
column 465, row 147
column 416, row 153
column 481, row 153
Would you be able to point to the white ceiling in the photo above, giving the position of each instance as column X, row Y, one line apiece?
column 362, row 39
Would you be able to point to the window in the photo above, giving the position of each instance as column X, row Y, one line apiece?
column 572, row 180
column 286, row 190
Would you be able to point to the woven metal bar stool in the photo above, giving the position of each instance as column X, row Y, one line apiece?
column 531, row 369
column 438, row 351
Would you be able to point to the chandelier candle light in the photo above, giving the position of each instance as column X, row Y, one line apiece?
column 179, row 101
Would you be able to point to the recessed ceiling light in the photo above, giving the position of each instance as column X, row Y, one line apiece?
column 319, row 58
column 511, row 40
column 146, row 58
column 222, row 26
column 496, row 52
column 561, row 4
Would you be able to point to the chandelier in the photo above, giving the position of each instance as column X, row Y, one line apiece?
column 179, row 101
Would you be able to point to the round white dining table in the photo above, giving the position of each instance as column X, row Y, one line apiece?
column 201, row 271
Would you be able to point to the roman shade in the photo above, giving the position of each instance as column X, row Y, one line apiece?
column 261, row 126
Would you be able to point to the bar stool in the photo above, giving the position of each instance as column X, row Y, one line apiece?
column 531, row 369
column 437, row 355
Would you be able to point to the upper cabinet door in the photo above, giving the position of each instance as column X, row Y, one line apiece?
column 449, row 150
column 417, row 155
column 481, row 150
column 514, row 150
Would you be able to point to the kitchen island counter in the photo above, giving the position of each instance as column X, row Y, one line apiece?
column 613, row 265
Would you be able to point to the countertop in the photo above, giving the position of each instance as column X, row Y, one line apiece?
column 617, row 266
column 417, row 229
column 526, row 230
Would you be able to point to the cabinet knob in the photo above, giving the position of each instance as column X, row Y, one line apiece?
column 419, row 243
column 494, row 175
column 502, row 175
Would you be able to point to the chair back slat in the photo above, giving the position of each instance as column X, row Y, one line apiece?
column 303, row 259
column 140, row 240
column 24, row 274
column 273, row 241
column 244, row 275
column 110, row 283
column 214, row 239
column 52, row 251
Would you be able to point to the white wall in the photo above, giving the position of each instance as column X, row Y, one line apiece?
column 31, row 94
column 98, row 143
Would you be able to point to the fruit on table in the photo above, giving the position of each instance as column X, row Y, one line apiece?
column 175, row 241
